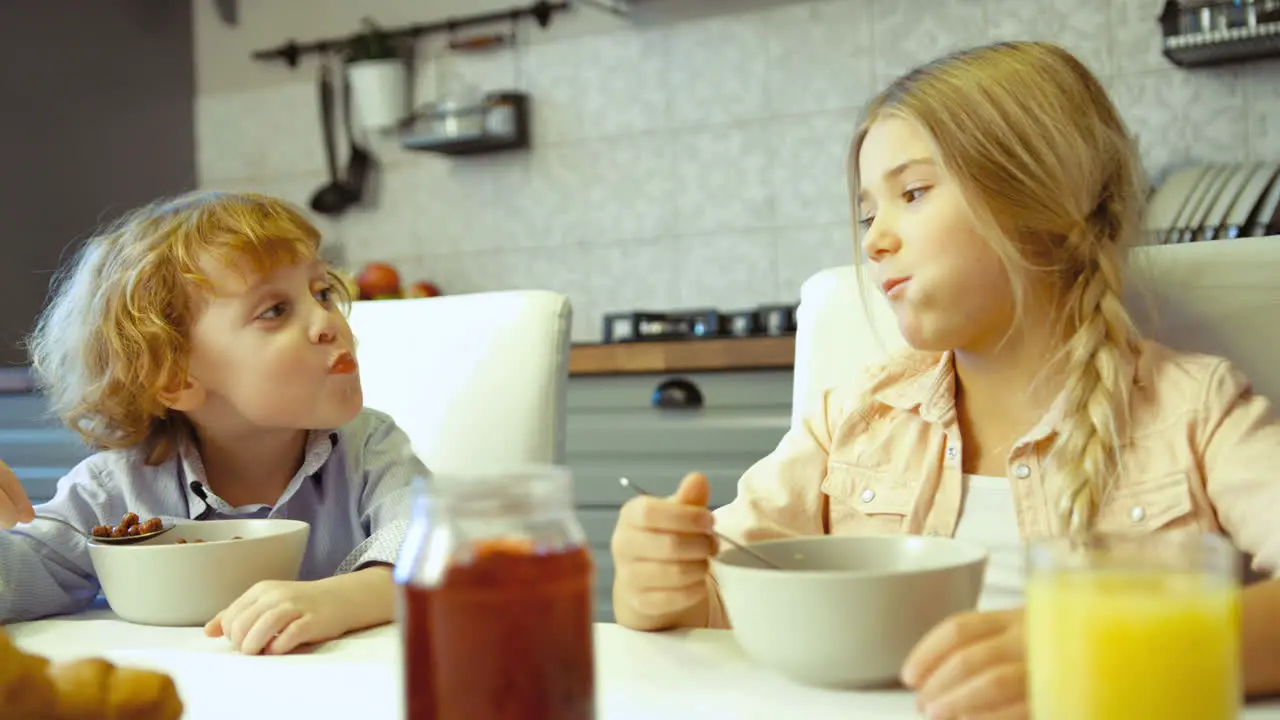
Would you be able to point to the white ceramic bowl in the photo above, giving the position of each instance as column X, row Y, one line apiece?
column 161, row 582
column 846, row 610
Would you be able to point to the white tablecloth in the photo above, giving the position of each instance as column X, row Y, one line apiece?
column 699, row 674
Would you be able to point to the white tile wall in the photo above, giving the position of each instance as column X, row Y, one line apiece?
column 700, row 163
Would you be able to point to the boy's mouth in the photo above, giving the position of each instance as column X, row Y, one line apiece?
column 343, row 364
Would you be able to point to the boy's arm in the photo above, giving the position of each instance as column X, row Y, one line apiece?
column 367, row 596
column 389, row 467
column 44, row 567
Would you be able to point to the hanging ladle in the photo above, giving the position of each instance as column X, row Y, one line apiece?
column 359, row 162
column 336, row 196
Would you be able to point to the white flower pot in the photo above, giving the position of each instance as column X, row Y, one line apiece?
column 380, row 92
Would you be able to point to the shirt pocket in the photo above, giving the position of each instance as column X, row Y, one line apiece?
column 1148, row 505
column 862, row 501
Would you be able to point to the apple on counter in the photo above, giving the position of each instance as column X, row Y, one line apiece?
column 380, row 281
column 423, row 289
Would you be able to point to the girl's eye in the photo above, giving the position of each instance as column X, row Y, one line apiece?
column 914, row 194
column 865, row 223
column 275, row 312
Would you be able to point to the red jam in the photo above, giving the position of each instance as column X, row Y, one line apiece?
column 505, row 637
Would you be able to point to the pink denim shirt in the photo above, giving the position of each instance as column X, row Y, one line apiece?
column 884, row 456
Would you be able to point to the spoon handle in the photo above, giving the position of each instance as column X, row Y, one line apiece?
column 759, row 558
column 625, row 482
column 60, row 521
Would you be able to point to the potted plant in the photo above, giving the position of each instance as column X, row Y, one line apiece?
column 378, row 73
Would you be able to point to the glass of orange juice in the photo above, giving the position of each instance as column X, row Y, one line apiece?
column 1123, row 627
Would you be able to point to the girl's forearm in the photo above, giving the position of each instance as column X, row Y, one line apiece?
column 1261, row 639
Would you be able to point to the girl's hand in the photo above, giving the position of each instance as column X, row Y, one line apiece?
column 275, row 617
column 15, row 506
column 660, row 551
column 971, row 666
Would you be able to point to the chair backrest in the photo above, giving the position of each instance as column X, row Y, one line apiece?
column 475, row 380
column 1221, row 298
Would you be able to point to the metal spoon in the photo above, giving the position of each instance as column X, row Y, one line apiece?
column 127, row 540
column 626, row 483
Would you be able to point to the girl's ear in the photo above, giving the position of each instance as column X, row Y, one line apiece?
column 185, row 395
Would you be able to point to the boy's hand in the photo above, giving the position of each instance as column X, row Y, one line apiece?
column 275, row 617
column 15, row 506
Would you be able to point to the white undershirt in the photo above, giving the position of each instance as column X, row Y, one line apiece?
column 988, row 517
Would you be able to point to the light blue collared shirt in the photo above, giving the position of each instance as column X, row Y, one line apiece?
column 353, row 488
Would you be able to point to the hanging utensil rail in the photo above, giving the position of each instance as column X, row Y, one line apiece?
column 291, row 51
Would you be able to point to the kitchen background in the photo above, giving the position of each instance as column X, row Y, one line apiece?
column 689, row 155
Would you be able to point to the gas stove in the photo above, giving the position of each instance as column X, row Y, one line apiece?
column 699, row 324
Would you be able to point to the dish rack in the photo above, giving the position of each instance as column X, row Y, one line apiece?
column 1217, row 32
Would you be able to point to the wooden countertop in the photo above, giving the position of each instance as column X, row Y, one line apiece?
column 763, row 353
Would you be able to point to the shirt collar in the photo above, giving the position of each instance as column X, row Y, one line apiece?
column 319, row 448
column 927, row 385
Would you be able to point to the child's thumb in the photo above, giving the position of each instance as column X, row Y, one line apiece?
column 694, row 490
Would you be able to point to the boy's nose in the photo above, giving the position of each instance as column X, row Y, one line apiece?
column 324, row 328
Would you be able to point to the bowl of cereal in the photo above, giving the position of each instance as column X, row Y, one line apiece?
column 844, row 611
column 189, row 574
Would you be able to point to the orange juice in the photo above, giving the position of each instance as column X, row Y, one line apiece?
column 1119, row 645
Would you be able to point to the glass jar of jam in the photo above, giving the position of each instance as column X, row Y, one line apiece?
column 494, row 588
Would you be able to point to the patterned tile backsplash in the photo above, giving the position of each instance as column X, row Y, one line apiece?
column 700, row 163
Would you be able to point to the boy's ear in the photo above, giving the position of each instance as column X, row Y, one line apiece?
column 185, row 395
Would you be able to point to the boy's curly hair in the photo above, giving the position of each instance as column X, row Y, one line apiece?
column 114, row 335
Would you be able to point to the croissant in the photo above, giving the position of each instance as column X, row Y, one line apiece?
column 26, row 692
column 33, row 689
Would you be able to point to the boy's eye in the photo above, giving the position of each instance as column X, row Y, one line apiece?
column 275, row 312
column 325, row 294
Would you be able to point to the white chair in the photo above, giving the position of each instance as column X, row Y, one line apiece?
column 475, row 380
column 1220, row 297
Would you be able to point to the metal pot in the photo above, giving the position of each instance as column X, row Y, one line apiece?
column 451, row 119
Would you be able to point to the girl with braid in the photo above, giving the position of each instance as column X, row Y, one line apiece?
column 996, row 191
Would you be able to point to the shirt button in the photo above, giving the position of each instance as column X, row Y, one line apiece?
column 1022, row 471
column 1137, row 513
column 952, row 452
column 868, row 495
column 932, row 533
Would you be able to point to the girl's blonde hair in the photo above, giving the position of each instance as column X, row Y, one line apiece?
column 114, row 335
column 1051, row 177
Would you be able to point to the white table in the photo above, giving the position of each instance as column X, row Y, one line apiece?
column 699, row 674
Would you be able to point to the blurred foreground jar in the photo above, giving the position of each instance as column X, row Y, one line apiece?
column 1125, row 627
column 495, row 599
